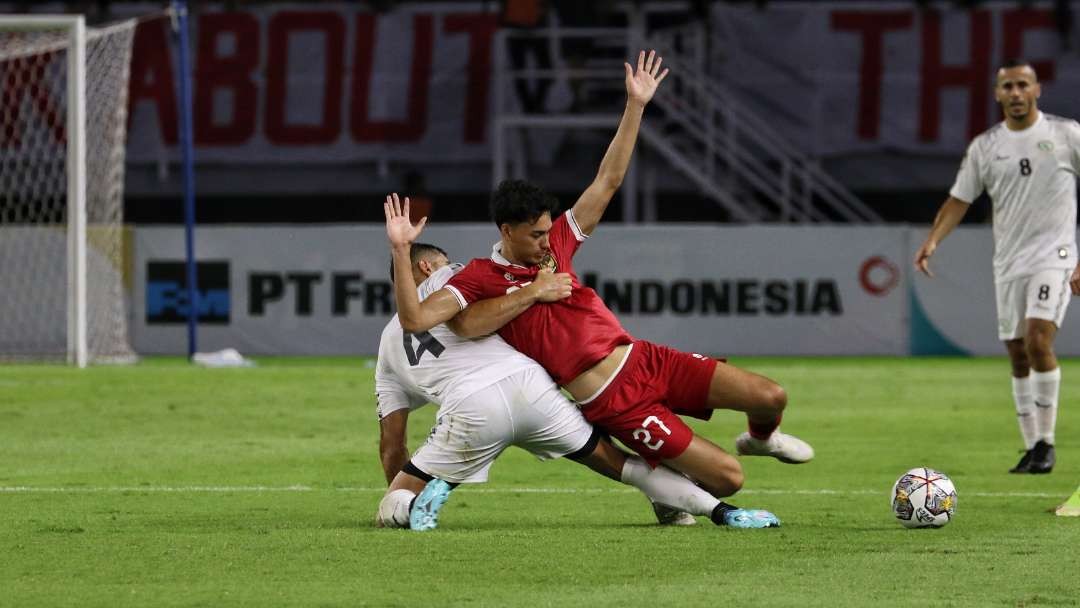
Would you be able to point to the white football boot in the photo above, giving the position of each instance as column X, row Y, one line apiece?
column 785, row 448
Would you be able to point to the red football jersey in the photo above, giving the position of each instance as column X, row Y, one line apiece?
column 566, row 337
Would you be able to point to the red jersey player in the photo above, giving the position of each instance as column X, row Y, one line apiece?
column 631, row 388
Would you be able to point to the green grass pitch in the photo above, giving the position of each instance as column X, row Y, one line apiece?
column 166, row 485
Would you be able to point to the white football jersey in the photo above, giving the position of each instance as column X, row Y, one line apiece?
column 1030, row 176
column 438, row 366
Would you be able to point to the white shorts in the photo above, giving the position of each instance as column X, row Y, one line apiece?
column 525, row 409
column 1043, row 295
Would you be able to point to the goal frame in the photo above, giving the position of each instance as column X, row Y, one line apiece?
column 75, row 128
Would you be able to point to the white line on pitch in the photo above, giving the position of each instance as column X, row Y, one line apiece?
column 479, row 490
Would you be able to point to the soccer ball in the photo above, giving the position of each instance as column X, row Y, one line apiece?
column 394, row 509
column 924, row 498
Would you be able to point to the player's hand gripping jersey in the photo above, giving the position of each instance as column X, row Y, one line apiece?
column 566, row 337
column 1030, row 176
column 438, row 366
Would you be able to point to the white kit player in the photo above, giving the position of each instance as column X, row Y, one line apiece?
column 1028, row 165
column 491, row 397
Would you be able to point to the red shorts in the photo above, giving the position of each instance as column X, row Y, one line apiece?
column 641, row 404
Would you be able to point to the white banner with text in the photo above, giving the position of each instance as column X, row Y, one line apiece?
column 710, row 289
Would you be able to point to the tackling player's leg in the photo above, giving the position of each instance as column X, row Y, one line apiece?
column 413, row 500
column 722, row 475
column 717, row 471
column 658, row 435
column 674, row 498
column 668, row 488
column 549, row 425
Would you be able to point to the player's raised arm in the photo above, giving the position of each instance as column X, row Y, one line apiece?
column 415, row 316
column 482, row 318
column 640, row 86
column 948, row 217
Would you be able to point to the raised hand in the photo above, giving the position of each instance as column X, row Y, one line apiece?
column 551, row 286
column 641, row 85
column 398, row 227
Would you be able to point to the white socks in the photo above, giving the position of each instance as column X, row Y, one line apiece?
column 1046, row 386
column 1025, row 410
column 667, row 487
column 394, row 509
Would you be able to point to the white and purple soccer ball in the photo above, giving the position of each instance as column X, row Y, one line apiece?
column 924, row 498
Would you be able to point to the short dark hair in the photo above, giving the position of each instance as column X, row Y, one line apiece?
column 1017, row 62
column 417, row 251
column 516, row 201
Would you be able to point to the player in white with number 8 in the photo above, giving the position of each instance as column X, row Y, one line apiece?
column 1028, row 165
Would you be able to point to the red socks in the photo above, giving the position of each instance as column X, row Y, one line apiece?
column 762, row 430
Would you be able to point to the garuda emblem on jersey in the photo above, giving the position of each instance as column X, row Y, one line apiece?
column 549, row 263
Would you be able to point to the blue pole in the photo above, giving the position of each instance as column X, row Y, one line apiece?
column 188, row 152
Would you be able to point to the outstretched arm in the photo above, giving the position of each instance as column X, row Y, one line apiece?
column 948, row 217
column 640, row 87
column 488, row 316
column 415, row 316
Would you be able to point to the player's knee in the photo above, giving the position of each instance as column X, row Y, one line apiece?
column 726, row 479
column 735, row 480
column 774, row 397
column 1020, row 368
column 1018, row 357
column 1038, row 346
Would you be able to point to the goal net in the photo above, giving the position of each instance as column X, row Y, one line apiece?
column 62, row 239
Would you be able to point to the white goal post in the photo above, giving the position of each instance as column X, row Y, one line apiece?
column 63, row 120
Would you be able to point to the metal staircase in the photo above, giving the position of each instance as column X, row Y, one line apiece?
column 732, row 155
